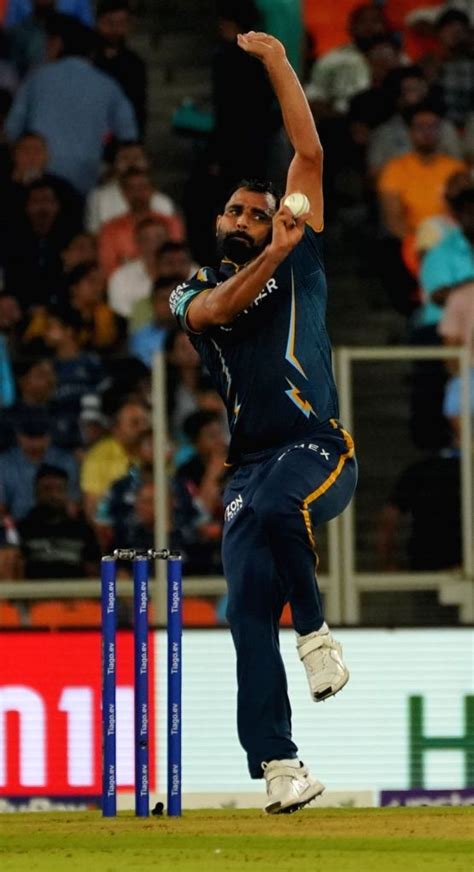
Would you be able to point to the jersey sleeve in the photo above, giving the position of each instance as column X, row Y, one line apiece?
column 183, row 295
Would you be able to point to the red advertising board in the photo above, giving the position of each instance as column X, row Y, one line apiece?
column 50, row 713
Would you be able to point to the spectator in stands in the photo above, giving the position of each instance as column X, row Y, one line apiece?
column 78, row 372
column 29, row 37
column 117, row 239
column 456, row 325
column 183, row 374
column 100, row 331
column 404, row 88
column 82, row 248
column 10, row 315
column 43, row 105
column 115, row 58
column 468, row 141
column 145, row 342
column 370, row 107
column 174, row 262
column 456, row 74
column 344, row 71
column 449, row 264
column 32, row 254
column 111, row 458
column 18, row 10
column 410, row 186
column 139, row 532
column 134, row 280
column 8, row 75
column 9, row 553
column 456, row 329
column 367, row 109
column 197, row 494
column 53, row 544
column 174, row 259
column 5, row 154
column 107, row 201
column 115, row 508
column 241, row 89
column 36, row 383
column 92, row 422
column 410, row 189
column 19, row 465
column 446, row 265
column 30, row 160
column 428, row 492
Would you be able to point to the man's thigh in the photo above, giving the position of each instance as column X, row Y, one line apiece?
column 318, row 478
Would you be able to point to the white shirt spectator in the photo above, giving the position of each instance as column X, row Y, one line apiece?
column 337, row 76
column 127, row 285
column 108, row 201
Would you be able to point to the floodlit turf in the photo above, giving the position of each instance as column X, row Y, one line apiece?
column 332, row 840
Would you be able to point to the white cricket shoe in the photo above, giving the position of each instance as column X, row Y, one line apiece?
column 322, row 660
column 289, row 786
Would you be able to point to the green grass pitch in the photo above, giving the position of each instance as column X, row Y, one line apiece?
column 330, row 840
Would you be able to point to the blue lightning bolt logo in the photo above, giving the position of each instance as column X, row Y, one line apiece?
column 295, row 396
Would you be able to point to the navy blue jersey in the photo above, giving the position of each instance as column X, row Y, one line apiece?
column 272, row 364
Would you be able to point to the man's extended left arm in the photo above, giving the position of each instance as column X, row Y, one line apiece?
column 305, row 172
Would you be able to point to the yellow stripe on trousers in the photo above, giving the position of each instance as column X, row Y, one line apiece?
column 326, row 485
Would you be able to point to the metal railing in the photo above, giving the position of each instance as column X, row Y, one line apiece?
column 342, row 584
column 456, row 587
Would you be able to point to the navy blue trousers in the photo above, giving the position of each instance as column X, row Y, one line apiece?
column 272, row 507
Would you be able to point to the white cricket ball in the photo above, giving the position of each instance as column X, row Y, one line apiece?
column 298, row 204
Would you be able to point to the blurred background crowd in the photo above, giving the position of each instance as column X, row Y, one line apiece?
column 123, row 126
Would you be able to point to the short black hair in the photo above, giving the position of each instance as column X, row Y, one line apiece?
column 80, row 272
column 41, row 184
column 67, row 316
column 104, row 7
column 30, row 134
column 430, row 106
column 258, row 186
column 24, row 365
column 462, row 199
column 244, row 13
column 196, row 422
column 165, row 282
column 47, row 470
column 118, row 145
column 383, row 39
column 78, row 40
column 450, row 16
column 174, row 246
column 392, row 84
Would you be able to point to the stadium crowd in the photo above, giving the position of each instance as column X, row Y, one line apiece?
column 90, row 251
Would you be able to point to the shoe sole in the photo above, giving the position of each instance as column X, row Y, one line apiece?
column 277, row 808
column 330, row 691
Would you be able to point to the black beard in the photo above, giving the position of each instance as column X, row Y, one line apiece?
column 238, row 247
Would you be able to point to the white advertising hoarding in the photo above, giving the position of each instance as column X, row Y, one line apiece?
column 406, row 686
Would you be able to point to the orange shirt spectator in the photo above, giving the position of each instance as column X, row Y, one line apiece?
column 117, row 238
column 419, row 184
column 411, row 187
column 118, row 243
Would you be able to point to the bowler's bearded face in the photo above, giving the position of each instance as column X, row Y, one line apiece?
column 245, row 228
